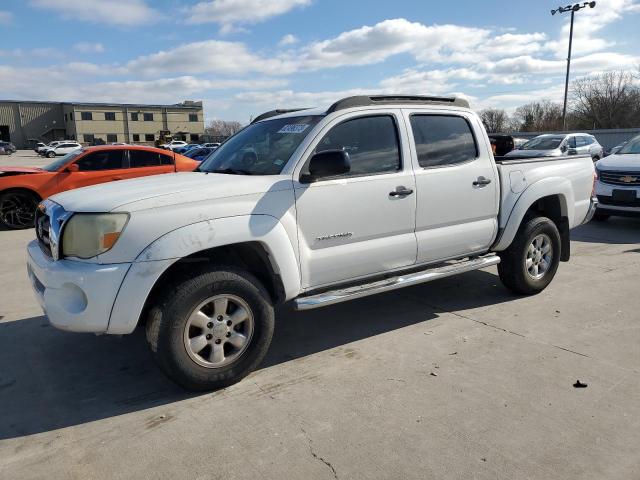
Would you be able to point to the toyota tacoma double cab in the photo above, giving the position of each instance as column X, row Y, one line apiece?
column 310, row 207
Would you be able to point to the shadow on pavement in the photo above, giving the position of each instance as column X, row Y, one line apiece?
column 615, row 230
column 51, row 379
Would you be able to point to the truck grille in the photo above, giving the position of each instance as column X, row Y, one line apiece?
column 619, row 178
column 43, row 229
column 49, row 222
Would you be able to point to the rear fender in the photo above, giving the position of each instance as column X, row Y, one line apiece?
column 542, row 188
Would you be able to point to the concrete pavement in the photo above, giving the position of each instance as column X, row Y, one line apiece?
column 453, row 379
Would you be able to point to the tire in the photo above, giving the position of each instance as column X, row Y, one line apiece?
column 50, row 154
column 18, row 209
column 601, row 217
column 517, row 267
column 175, row 325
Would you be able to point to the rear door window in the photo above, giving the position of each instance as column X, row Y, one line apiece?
column 144, row 158
column 442, row 140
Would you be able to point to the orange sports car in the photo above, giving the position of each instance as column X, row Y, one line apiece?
column 21, row 188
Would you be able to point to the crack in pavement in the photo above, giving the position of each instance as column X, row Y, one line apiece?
column 316, row 456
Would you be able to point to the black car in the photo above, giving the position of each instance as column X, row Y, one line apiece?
column 8, row 146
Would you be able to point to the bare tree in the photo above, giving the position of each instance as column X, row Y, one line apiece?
column 539, row 116
column 495, row 120
column 222, row 128
column 606, row 100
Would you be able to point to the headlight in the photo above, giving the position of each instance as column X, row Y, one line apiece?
column 86, row 235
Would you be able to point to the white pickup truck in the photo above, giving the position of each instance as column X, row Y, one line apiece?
column 311, row 207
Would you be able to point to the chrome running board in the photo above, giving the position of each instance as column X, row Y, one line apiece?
column 393, row 283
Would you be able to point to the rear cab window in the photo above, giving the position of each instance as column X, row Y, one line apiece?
column 442, row 139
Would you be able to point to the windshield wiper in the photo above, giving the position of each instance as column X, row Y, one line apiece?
column 231, row 171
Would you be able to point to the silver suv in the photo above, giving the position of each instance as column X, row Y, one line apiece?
column 556, row 145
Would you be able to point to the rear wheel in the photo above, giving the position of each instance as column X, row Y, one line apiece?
column 50, row 154
column 532, row 259
column 17, row 209
column 211, row 330
column 601, row 217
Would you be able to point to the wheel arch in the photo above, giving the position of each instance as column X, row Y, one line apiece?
column 551, row 197
column 268, row 254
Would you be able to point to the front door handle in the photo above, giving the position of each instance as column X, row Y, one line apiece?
column 116, row 178
column 401, row 192
column 481, row 182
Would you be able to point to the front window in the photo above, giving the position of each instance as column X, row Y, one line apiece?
column 631, row 147
column 62, row 161
column 543, row 143
column 263, row 148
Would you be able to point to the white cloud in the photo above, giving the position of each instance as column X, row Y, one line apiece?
column 5, row 17
column 288, row 39
column 208, row 56
column 65, row 84
column 114, row 12
column 593, row 62
column 88, row 47
column 230, row 13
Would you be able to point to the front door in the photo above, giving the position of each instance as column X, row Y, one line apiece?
column 93, row 168
column 457, row 185
column 354, row 225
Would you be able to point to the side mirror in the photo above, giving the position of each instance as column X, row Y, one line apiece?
column 72, row 168
column 328, row 164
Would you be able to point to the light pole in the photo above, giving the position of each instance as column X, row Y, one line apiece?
column 573, row 9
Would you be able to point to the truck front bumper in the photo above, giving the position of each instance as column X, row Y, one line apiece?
column 75, row 296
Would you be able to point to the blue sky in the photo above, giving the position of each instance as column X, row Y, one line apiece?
column 242, row 57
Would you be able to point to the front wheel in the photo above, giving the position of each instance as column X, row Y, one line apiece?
column 601, row 217
column 50, row 154
column 17, row 209
column 211, row 330
column 532, row 259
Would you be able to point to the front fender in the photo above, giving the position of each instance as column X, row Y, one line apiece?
column 154, row 260
column 542, row 188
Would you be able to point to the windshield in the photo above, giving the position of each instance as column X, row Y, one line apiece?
column 632, row 146
column 58, row 164
column 543, row 143
column 262, row 148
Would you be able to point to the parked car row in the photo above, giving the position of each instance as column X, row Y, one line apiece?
column 7, row 148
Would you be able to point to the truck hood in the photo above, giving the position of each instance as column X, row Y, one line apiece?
column 7, row 171
column 626, row 162
column 534, row 153
column 169, row 189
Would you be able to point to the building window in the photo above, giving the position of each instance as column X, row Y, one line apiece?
column 112, row 137
column 193, row 117
column 71, row 116
column 65, row 118
column 88, row 138
column 110, row 116
column 149, row 137
column 86, row 116
column 147, row 117
column 134, row 116
column 136, row 137
column 195, row 137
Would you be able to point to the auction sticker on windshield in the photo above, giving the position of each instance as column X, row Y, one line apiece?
column 293, row 128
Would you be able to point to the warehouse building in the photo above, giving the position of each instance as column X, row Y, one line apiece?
column 24, row 123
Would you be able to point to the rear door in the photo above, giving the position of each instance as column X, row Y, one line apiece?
column 356, row 224
column 456, row 183
column 148, row 162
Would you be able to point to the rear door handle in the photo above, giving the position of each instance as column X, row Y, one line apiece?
column 481, row 182
column 401, row 192
column 116, row 178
